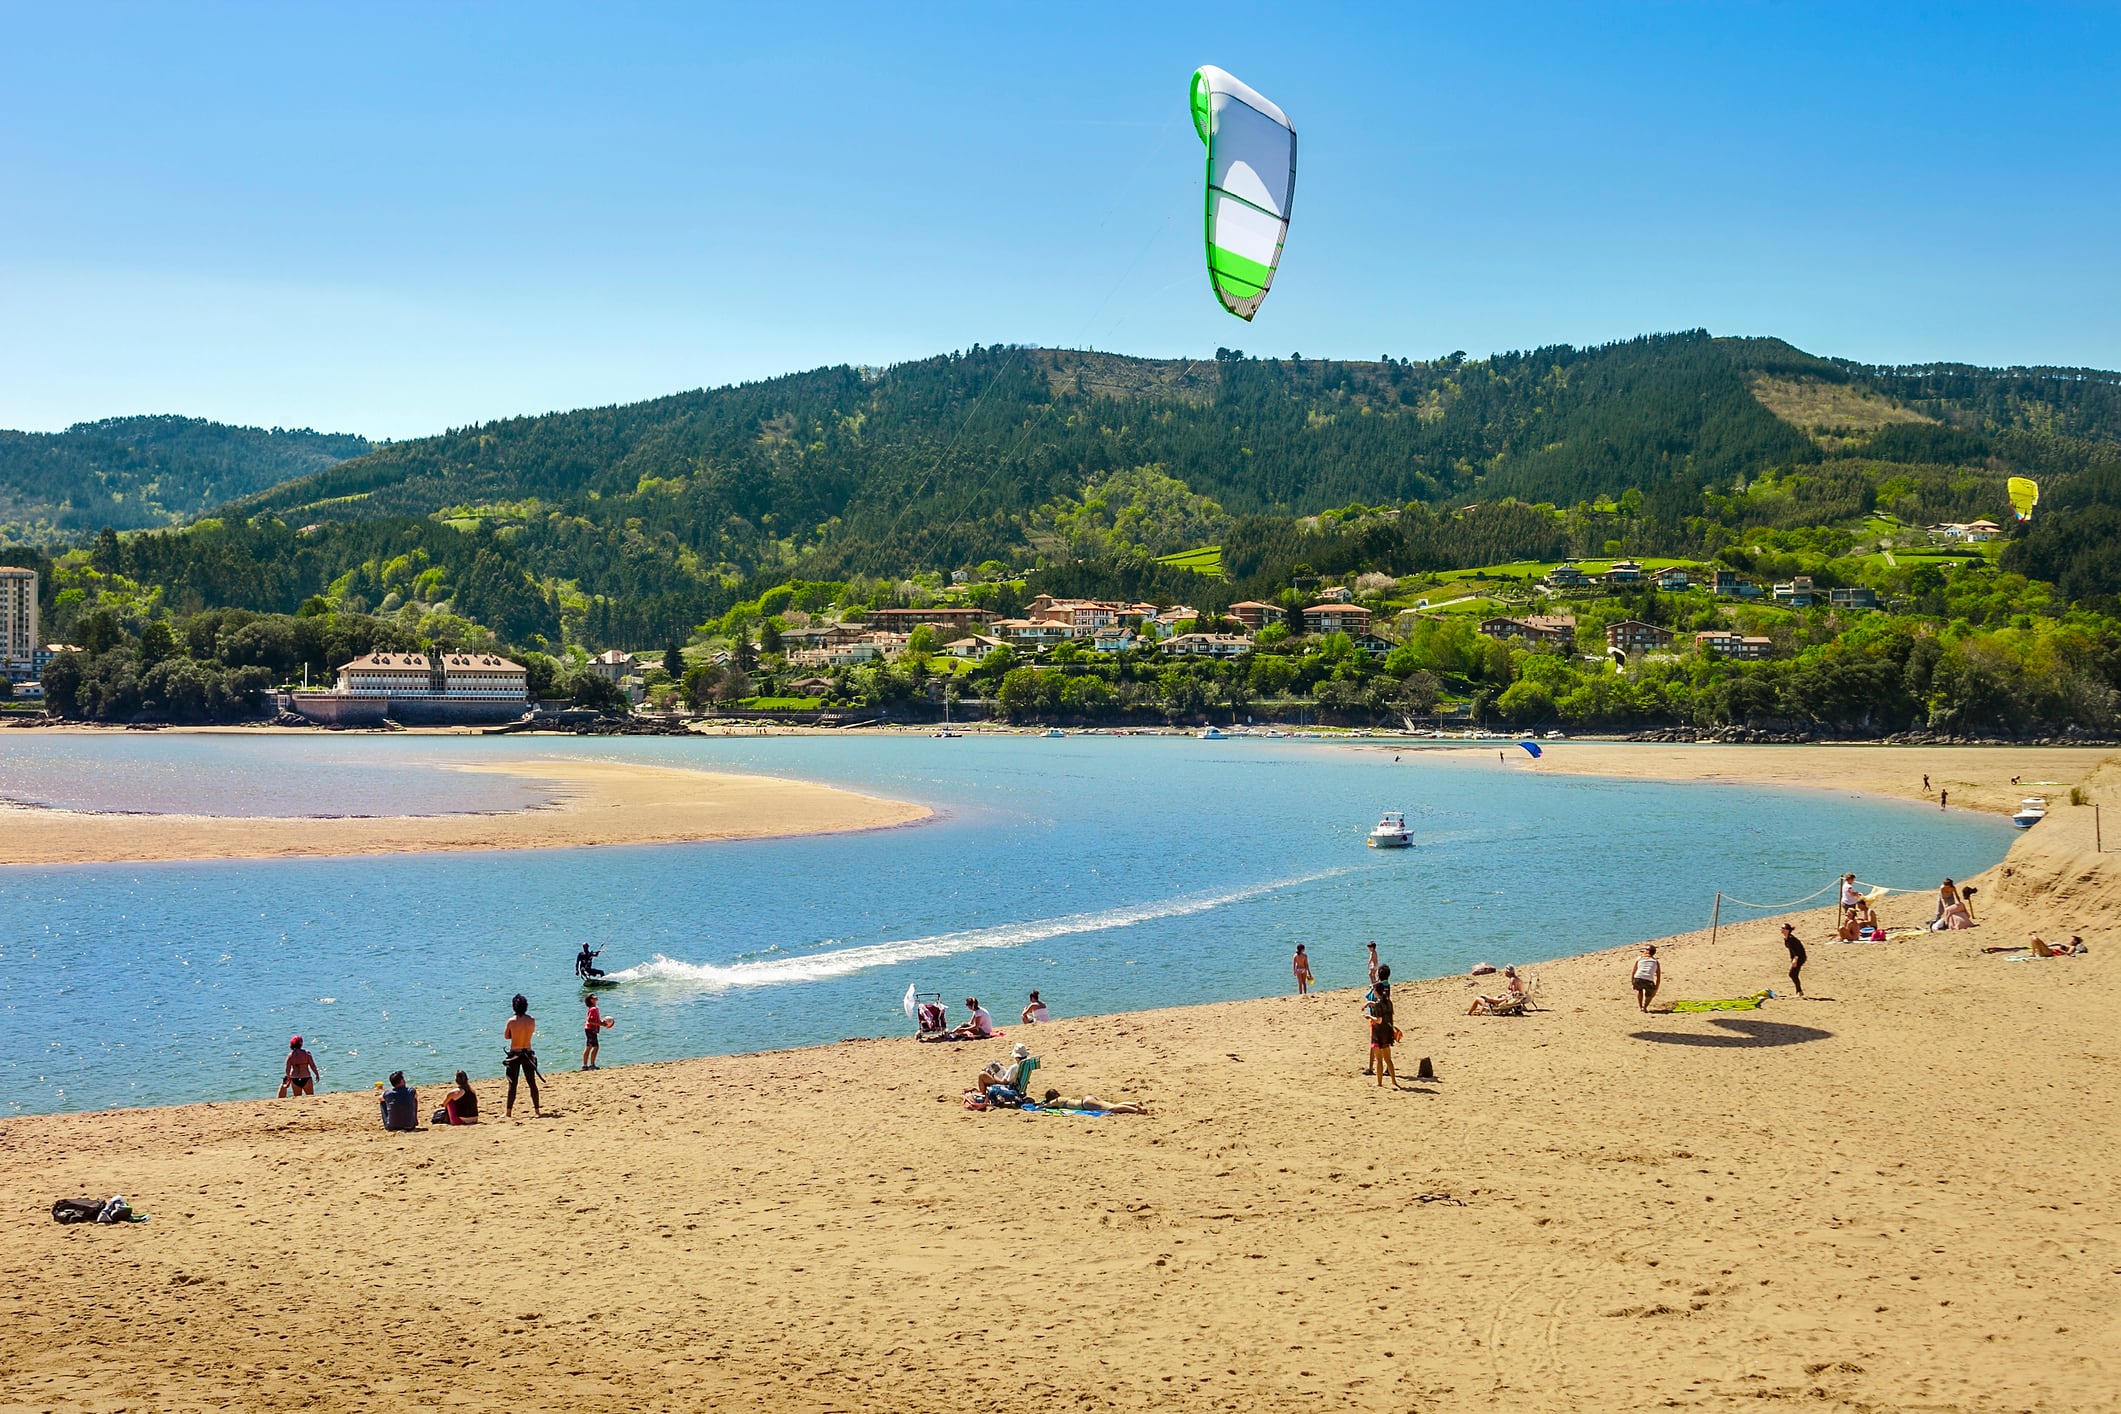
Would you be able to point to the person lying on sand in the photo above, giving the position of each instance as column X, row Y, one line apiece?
column 2043, row 948
column 1056, row 1101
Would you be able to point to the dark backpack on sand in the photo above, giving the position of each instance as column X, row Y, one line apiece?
column 76, row 1210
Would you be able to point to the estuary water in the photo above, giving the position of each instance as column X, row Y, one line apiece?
column 1111, row 873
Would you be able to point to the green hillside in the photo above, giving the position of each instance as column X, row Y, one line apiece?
column 130, row 472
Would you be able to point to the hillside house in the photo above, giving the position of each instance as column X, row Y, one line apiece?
column 1338, row 594
column 973, row 645
column 1673, row 579
column 1566, row 576
column 1034, row 633
column 1351, row 619
column 1634, row 636
column 613, row 665
column 1722, row 643
column 951, row 621
column 1798, row 593
column 1210, row 645
column 1622, row 573
column 1860, row 596
column 1255, row 615
column 1729, row 584
column 1539, row 630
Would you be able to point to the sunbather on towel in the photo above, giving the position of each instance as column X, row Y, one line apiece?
column 2043, row 948
column 1092, row 1105
column 978, row 1028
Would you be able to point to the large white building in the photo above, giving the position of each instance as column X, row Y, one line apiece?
column 418, row 687
column 18, row 621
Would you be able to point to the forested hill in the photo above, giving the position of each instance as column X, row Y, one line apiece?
column 650, row 517
column 130, row 472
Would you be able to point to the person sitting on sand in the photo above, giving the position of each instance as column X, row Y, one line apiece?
column 1035, row 1010
column 1647, row 977
column 400, row 1104
column 302, row 1070
column 1055, row 1100
column 1955, row 915
column 978, row 1028
column 1947, row 895
column 1512, row 993
column 459, row 1106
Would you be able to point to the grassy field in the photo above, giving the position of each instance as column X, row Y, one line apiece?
column 1207, row 560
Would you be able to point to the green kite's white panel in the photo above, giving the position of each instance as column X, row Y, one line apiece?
column 1251, row 182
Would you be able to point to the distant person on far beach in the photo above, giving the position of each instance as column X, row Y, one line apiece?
column 594, row 1025
column 1944, row 798
column 1647, row 977
column 521, row 1061
column 302, row 1070
column 1925, row 785
column 1795, row 944
column 1301, row 966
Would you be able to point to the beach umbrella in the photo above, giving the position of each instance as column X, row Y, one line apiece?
column 1533, row 747
column 1251, row 183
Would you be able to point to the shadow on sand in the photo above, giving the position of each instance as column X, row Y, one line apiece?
column 1743, row 1033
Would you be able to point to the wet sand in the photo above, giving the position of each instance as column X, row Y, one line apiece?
column 592, row 803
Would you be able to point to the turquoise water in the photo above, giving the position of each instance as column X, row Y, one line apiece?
column 1111, row 873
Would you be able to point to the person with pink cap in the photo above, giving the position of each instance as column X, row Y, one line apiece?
column 302, row 1070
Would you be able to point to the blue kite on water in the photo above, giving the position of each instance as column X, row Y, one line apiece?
column 1533, row 747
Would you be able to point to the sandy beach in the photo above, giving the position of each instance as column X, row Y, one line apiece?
column 591, row 803
column 1899, row 1194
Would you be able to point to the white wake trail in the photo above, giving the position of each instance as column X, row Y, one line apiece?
column 840, row 962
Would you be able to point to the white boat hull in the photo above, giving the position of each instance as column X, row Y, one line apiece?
column 1391, row 841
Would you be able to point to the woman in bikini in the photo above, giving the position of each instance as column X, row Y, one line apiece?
column 521, row 1060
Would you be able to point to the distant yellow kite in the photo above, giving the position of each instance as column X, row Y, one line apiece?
column 2025, row 494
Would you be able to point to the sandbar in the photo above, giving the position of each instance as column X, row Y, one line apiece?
column 1902, row 1193
column 1975, row 777
column 592, row 803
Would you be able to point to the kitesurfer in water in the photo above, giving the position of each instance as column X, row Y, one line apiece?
column 585, row 962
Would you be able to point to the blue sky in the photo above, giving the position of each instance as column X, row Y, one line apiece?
column 393, row 219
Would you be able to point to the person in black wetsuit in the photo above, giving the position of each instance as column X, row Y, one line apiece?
column 585, row 962
column 1798, row 958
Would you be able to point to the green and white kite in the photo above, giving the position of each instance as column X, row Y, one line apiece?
column 1251, row 181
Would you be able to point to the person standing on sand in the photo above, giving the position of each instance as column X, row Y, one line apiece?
column 521, row 1060
column 1380, row 986
column 302, row 1070
column 1301, row 966
column 1944, row 798
column 1382, row 1035
column 1373, row 964
column 1647, row 977
column 594, row 1024
column 1798, row 958
column 1925, row 785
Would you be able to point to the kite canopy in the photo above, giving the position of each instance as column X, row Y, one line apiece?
column 1533, row 747
column 2025, row 494
column 1251, row 182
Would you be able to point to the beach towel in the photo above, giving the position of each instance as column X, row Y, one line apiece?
column 1899, row 935
column 1751, row 1003
column 963, row 1040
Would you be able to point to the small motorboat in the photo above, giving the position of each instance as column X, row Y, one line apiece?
column 1053, row 731
column 2031, row 811
column 1210, row 734
column 1391, row 832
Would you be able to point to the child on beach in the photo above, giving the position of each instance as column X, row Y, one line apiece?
column 594, row 1024
column 302, row 1070
column 521, row 1061
column 1301, row 965
column 1647, row 976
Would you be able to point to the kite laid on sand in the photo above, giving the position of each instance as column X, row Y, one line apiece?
column 1251, row 181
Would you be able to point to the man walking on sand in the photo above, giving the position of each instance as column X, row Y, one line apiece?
column 1648, row 975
